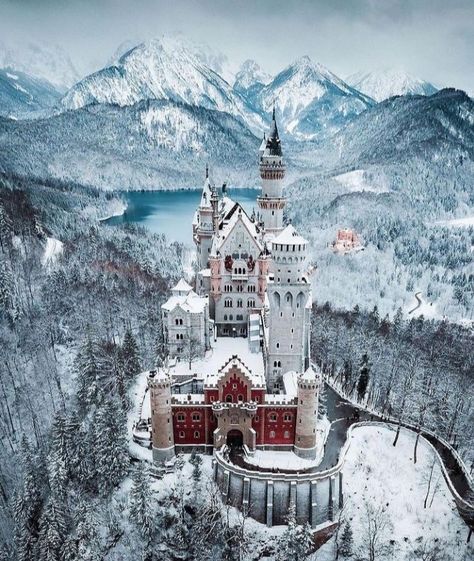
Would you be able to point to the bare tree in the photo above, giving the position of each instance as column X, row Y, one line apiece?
column 192, row 349
column 375, row 545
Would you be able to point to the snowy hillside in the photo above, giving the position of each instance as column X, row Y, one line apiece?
column 309, row 99
column 163, row 69
column 44, row 61
column 150, row 145
column 24, row 96
column 385, row 83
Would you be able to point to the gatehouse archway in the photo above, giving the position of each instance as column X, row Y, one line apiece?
column 235, row 439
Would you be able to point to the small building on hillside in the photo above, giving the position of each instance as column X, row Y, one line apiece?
column 346, row 241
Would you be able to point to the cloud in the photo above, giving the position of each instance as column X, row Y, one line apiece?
column 431, row 38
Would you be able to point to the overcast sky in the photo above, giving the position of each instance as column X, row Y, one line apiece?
column 433, row 39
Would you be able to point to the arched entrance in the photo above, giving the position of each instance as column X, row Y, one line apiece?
column 235, row 439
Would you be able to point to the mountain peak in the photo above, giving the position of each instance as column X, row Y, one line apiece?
column 386, row 82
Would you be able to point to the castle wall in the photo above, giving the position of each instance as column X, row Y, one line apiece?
column 267, row 496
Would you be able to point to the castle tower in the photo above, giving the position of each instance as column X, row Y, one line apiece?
column 203, row 226
column 272, row 172
column 307, row 414
column 289, row 307
column 162, row 438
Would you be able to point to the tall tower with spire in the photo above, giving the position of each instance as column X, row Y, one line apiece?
column 203, row 227
column 272, row 172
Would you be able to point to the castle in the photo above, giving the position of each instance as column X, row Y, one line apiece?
column 238, row 368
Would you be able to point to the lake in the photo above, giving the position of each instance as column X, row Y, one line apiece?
column 171, row 212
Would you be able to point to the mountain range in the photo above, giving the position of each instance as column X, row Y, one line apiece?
column 310, row 101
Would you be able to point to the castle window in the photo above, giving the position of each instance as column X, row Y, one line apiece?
column 196, row 417
column 257, row 399
column 277, row 345
column 228, row 398
column 272, row 417
column 287, row 417
column 225, row 317
column 227, row 303
column 180, row 417
column 181, row 434
column 257, row 418
column 251, row 303
column 279, row 364
column 239, row 303
column 240, row 397
column 286, row 434
column 239, row 317
column 251, row 288
column 231, row 317
column 272, row 434
column 234, row 386
column 197, row 434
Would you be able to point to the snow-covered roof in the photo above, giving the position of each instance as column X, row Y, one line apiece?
column 190, row 302
column 235, row 361
column 206, row 194
column 159, row 375
column 289, row 236
column 236, row 213
column 290, row 382
column 182, row 286
column 308, row 376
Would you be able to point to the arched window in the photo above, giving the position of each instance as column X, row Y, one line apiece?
column 225, row 317
column 289, row 298
column 250, row 303
column 239, row 303
column 240, row 397
column 228, row 398
column 272, row 434
column 276, row 299
column 196, row 434
column 227, row 303
column 196, row 417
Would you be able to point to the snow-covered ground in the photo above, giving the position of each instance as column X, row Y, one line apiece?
column 381, row 475
column 52, row 250
column 140, row 410
column 289, row 460
column 356, row 181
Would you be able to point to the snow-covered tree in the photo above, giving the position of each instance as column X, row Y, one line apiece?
column 130, row 356
column 52, row 530
column 296, row 542
column 110, row 447
column 346, row 541
column 141, row 505
column 364, row 372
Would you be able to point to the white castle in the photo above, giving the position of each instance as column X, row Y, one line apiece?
column 251, row 272
column 238, row 381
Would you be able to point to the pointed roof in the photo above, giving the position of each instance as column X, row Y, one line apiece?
column 308, row 376
column 182, row 286
column 273, row 142
column 289, row 236
column 263, row 145
column 206, row 191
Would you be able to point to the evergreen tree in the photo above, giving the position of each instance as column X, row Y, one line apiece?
column 6, row 228
column 59, row 457
column 345, row 547
column 398, row 321
column 27, row 506
column 364, row 373
column 52, row 530
column 87, row 365
column 111, row 455
column 130, row 356
column 297, row 541
column 87, row 538
column 141, row 500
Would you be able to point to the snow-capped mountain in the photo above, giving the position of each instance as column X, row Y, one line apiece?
column 44, row 61
column 150, row 145
column 24, row 96
column 385, row 83
column 309, row 99
column 250, row 79
column 161, row 69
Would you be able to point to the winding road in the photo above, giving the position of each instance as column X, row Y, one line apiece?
column 343, row 414
column 417, row 296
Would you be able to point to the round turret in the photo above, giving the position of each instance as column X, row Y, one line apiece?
column 159, row 384
column 307, row 414
column 289, row 251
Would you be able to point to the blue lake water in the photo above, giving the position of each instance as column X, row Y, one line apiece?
column 171, row 212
